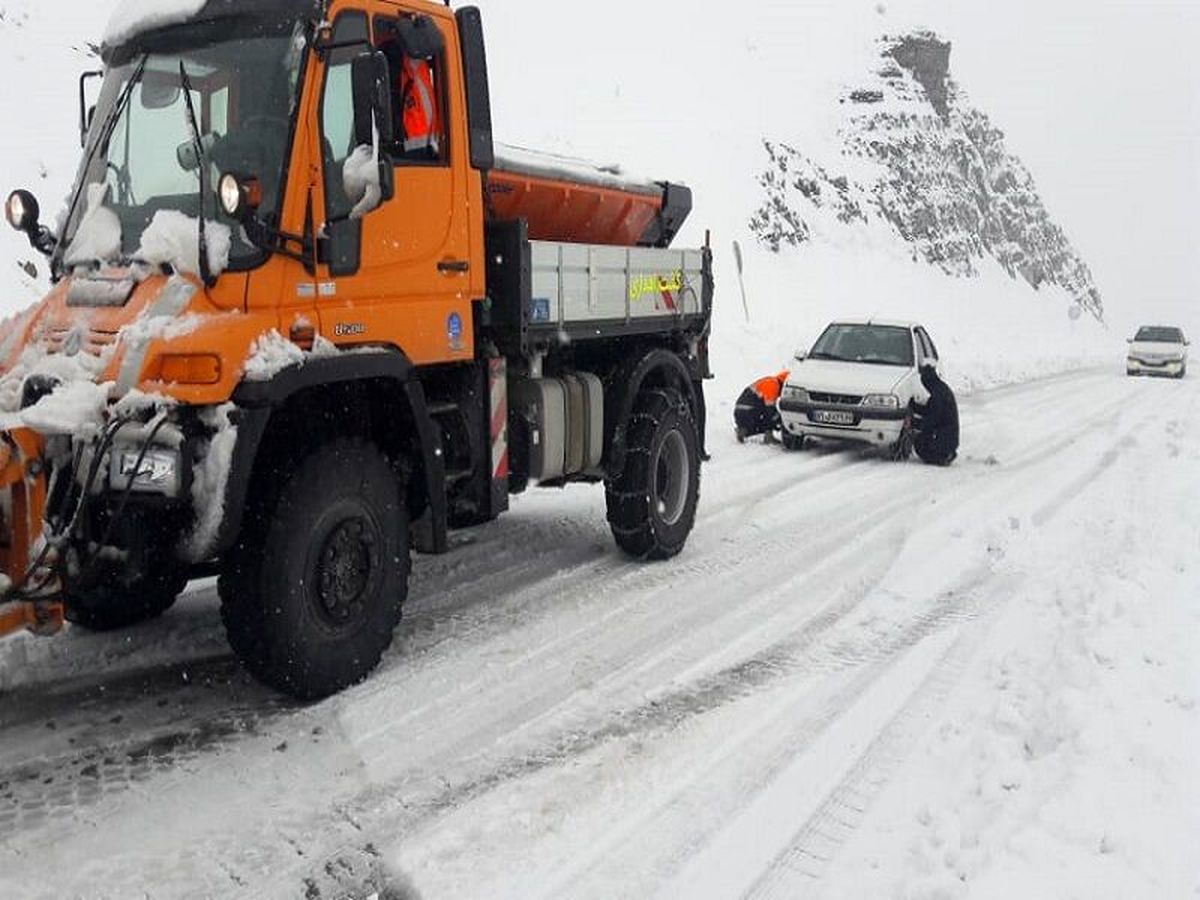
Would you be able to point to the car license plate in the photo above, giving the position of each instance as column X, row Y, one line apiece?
column 832, row 417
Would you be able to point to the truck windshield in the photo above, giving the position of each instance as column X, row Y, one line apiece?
column 244, row 91
column 875, row 344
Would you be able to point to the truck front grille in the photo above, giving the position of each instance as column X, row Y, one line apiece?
column 71, row 341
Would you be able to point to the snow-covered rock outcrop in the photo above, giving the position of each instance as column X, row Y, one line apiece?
column 914, row 154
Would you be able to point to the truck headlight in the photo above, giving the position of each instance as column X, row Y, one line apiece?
column 882, row 401
column 156, row 471
column 795, row 394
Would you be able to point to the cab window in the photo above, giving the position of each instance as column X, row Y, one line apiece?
column 415, row 51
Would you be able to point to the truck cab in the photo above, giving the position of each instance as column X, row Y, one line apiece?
column 308, row 316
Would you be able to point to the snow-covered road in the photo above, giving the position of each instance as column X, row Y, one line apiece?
column 861, row 679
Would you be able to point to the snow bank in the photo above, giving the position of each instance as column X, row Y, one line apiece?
column 173, row 239
column 360, row 178
column 134, row 16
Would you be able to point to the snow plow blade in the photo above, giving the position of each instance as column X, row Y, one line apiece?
column 29, row 592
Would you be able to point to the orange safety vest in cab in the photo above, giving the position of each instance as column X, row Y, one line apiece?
column 419, row 109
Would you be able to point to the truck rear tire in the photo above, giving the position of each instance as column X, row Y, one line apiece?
column 110, row 605
column 652, row 501
column 313, row 591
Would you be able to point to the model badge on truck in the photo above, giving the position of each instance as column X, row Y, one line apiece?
column 349, row 329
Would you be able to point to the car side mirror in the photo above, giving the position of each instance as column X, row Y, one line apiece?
column 801, row 355
column 371, row 88
column 1129, row 340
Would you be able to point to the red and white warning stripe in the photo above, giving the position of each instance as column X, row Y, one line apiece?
column 498, row 388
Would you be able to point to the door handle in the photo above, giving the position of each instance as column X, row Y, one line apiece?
column 454, row 267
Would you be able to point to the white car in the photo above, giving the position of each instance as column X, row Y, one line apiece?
column 1158, row 350
column 856, row 384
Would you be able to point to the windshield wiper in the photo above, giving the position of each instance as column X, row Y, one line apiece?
column 879, row 361
column 107, row 127
column 186, row 83
column 825, row 356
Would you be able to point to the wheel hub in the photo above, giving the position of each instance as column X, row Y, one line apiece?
column 345, row 568
column 672, row 473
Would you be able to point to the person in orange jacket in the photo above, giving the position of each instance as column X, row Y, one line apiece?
column 757, row 409
column 419, row 111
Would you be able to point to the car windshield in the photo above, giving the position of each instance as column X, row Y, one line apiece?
column 1160, row 336
column 874, row 344
column 243, row 92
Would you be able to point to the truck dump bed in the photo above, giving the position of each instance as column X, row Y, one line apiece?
column 574, row 201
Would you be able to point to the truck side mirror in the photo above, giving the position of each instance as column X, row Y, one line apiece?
column 371, row 88
column 24, row 215
column 22, row 211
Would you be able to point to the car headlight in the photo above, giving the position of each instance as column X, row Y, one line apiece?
column 882, row 401
column 155, row 472
column 795, row 394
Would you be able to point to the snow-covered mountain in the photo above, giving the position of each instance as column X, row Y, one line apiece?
column 913, row 152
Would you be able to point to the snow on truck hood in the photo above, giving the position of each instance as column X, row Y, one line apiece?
column 834, row 377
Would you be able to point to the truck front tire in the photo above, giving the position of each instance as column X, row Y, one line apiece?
column 652, row 501
column 313, row 591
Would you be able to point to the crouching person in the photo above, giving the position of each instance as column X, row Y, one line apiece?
column 936, row 422
column 757, row 410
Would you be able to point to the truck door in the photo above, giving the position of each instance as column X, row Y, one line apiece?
column 401, row 274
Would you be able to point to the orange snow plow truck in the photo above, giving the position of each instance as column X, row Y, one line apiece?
column 308, row 318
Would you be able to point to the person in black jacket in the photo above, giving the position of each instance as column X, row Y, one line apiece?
column 936, row 422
